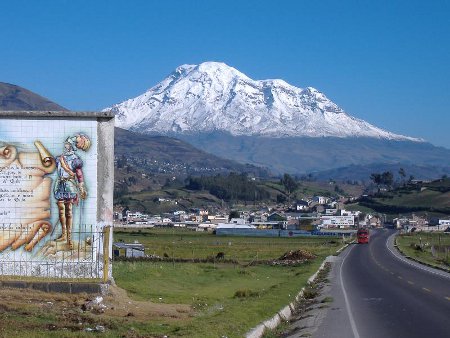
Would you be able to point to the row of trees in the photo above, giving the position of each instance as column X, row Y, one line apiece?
column 386, row 178
column 229, row 187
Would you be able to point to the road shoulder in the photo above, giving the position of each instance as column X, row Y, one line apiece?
column 395, row 251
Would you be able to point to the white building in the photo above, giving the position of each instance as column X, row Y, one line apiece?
column 320, row 199
column 328, row 222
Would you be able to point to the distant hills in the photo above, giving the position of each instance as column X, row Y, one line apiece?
column 170, row 155
column 13, row 97
column 270, row 123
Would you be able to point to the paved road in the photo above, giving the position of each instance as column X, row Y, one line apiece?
column 377, row 294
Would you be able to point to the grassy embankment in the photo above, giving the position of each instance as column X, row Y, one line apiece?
column 432, row 199
column 227, row 299
column 430, row 248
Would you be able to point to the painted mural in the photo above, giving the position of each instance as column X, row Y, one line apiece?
column 48, row 171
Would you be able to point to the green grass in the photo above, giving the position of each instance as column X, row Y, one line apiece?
column 228, row 299
column 357, row 207
column 419, row 246
column 211, row 291
column 182, row 243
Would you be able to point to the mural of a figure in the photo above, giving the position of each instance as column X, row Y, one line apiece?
column 69, row 185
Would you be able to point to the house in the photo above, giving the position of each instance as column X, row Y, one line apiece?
column 374, row 221
column 237, row 221
column 128, row 250
column 320, row 199
column 302, row 205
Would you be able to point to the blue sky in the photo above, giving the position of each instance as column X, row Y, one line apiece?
column 386, row 62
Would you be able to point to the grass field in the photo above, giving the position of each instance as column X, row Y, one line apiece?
column 226, row 299
column 182, row 243
column 430, row 248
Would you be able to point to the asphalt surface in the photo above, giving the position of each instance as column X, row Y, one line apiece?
column 378, row 293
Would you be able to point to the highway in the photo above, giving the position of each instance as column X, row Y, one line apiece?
column 378, row 293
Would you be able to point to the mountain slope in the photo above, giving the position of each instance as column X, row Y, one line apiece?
column 13, row 97
column 172, row 156
column 215, row 97
column 299, row 155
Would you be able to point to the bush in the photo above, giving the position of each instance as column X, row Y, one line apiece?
column 310, row 293
column 245, row 293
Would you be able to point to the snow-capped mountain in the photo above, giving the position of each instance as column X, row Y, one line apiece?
column 215, row 97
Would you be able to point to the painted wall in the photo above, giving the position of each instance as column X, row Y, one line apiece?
column 55, row 193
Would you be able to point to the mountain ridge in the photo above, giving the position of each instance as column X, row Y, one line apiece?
column 213, row 96
column 13, row 97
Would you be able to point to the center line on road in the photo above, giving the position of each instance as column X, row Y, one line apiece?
column 399, row 277
column 428, row 290
column 412, row 283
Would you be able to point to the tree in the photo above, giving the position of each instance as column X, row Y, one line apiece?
column 281, row 198
column 387, row 178
column 289, row 184
column 402, row 173
column 234, row 214
column 376, row 178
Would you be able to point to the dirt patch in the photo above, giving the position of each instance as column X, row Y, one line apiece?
column 297, row 255
column 79, row 312
column 294, row 257
column 118, row 304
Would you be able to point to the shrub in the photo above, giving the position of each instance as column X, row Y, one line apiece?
column 245, row 293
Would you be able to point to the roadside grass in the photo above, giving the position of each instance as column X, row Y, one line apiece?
column 430, row 248
column 227, row 300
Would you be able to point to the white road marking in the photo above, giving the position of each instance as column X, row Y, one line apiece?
column 347, row 303
column 414, row 264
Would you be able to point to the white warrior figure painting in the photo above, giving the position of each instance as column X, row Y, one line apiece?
column 69, row 185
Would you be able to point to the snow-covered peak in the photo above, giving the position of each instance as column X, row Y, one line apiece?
column 213, row 96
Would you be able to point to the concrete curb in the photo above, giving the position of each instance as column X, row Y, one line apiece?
column 58, row 287
column 416, row 260
column 344, row 247
column 286, row 312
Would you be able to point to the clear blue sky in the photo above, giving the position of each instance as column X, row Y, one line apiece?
column 387, row 62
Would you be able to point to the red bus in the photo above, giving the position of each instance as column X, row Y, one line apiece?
column 363, row 236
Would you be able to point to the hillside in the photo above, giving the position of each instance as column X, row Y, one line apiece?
column 13, row 97
column 362, row 173
column 146, row 162
column 300, row 155
column 431, row 198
